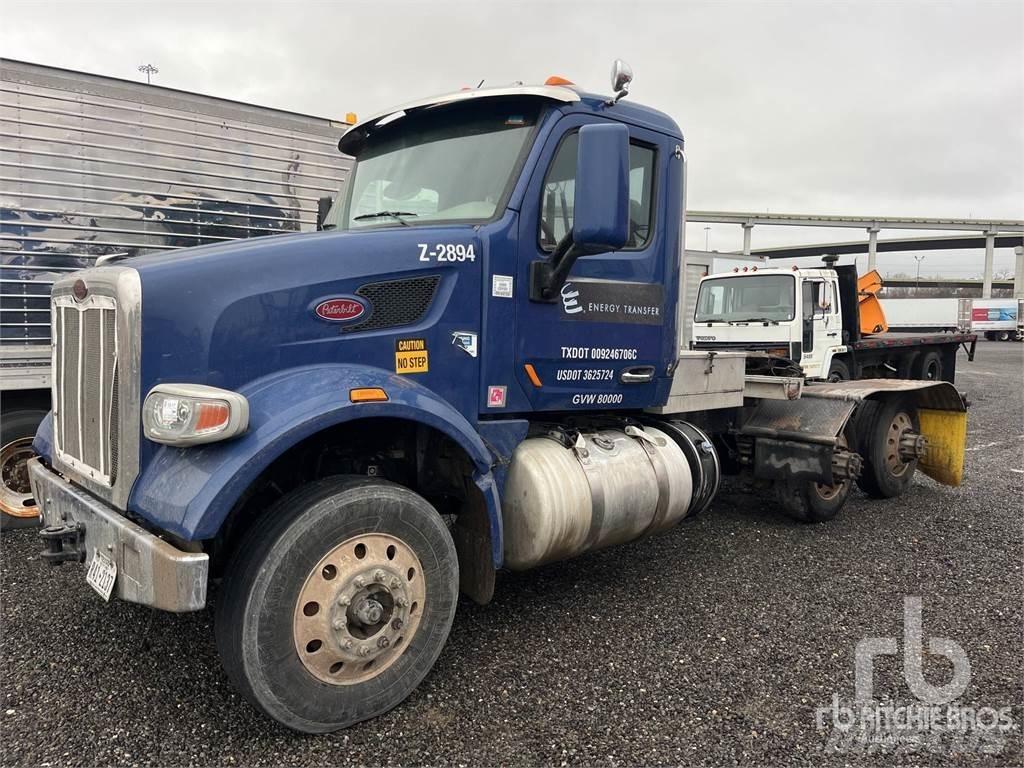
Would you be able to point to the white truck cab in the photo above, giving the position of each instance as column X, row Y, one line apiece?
column 820, row 319
column 788, row 312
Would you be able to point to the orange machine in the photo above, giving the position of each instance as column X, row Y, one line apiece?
column 872, row 318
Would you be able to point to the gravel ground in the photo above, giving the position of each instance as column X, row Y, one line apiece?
column 711, row 644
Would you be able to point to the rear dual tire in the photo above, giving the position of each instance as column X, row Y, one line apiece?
column 285, row 614
column 881, row 425
column 810, row 502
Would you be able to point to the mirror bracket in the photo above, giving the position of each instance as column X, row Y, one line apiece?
column 548, row 277
column 323, row 207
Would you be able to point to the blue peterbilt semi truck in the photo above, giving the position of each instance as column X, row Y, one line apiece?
column 475, row 365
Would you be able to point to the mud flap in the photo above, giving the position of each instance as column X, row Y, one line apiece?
column 946, row 433
column 942, row 413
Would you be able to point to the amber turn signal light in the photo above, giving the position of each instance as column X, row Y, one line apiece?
column 367, row 395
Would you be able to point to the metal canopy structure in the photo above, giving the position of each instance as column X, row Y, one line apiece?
column 888, row 246
column 993, row 234
column 856, row 222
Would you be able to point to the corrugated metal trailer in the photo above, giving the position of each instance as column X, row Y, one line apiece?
column 94, row 166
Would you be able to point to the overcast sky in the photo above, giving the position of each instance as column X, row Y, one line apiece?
column 870, row 108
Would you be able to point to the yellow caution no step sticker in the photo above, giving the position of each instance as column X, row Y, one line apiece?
column 411, row 356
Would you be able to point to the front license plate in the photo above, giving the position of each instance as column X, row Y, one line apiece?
column 102, row 574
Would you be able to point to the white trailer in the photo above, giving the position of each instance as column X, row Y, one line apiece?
column 997, row 319
column 926, row 315
column 94, row 168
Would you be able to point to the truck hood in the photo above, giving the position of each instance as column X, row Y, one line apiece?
column 756, row 334
column 227, row 314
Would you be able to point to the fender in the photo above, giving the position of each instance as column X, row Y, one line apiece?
column 189, row 491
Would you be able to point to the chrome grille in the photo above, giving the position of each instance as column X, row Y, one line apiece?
column 85, row 386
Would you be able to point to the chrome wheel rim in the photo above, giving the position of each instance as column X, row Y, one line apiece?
column 899, row 425
column 358, row 609
column 15, row 491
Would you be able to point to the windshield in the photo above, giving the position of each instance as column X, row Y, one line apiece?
column 750, row 298
column 452, row 163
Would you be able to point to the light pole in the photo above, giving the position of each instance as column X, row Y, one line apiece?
column 150, row 70
column 917, row 285
column 707, row 237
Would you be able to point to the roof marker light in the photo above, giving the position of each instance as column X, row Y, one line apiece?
column 558, row 80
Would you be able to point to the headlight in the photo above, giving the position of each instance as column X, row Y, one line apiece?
column 188, row 414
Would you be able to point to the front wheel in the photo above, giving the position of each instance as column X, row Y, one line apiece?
column 337, row 603
column 838, row 371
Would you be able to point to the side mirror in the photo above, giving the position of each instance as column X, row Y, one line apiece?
column 600, row 207
column 323, row 207
column 622, row 76
column 825, row 298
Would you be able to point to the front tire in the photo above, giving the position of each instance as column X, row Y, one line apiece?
column 838, row 370
column 337, row 603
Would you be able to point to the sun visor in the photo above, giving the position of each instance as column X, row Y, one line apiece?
column 351, row 142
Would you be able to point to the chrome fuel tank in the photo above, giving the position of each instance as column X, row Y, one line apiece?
column 612, row 486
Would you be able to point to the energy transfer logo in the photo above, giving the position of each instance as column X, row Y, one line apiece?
column 934, row 722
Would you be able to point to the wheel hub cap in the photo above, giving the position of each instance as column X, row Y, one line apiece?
column 896, row 459
column 358, row 609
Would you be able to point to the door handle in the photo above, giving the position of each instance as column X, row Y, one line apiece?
column 834, row 333
column 639, row 375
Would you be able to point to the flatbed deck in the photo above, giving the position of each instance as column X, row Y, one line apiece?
column 885, row 340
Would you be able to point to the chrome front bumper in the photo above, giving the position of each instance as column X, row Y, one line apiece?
column 150, row 571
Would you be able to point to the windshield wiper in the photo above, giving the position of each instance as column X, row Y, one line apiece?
column 396, row 215
column 756, row 320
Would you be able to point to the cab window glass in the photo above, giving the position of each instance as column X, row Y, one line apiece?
column 558, row 194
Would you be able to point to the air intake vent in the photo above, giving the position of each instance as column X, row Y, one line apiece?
column 396, row 303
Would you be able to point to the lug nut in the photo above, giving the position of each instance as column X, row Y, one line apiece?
column 360, row 582
column 395, row 583
column 347, row 645
column 401, row 602
column 396, row 624
column 343, row 600
column 364, row 650
column 339, row 624
column 383, row 642
column 378, row 575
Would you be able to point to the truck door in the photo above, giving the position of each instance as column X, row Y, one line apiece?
column 822, row 325
column 609, row 339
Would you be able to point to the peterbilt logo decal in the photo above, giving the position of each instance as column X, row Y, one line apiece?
column 340, row 309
